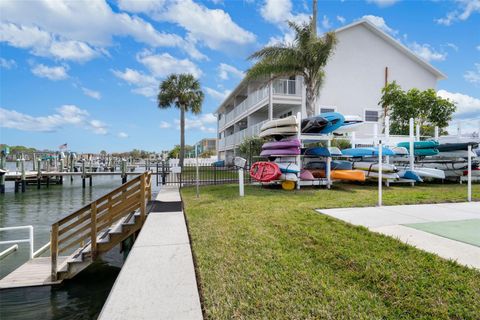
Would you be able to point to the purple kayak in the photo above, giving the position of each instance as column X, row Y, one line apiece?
column 280, row 152
column 283, row 144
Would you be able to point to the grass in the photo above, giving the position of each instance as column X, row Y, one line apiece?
column 269, row 255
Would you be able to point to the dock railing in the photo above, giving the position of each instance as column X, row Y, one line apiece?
column 84, row 225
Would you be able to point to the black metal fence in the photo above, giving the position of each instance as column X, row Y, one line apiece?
column 207, row 174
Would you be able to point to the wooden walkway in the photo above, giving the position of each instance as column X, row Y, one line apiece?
column 35, row 272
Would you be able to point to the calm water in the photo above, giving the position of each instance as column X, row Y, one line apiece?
column 79, row 298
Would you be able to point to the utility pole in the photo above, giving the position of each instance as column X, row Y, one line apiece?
column 314, row 18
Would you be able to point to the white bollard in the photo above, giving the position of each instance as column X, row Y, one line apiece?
column 240, row 182
column 469, row 175
column 380, row 160
column 196, row 169
column 411, row 151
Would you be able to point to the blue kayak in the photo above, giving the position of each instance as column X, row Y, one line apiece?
column 335, row 121
column 334, row 165
column 318, row 151
column 367, row 152
column 409, row 174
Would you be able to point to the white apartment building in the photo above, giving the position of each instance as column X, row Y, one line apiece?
column 364, row 59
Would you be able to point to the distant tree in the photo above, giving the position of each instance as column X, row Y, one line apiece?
column 135, row 154
column 182, row 91
column 426, row 107
column 306, row 56
column 250, row 148
column 175, row 152
column 207, row 154
column 103, row 153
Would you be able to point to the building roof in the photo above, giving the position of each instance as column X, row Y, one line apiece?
column 382, row 34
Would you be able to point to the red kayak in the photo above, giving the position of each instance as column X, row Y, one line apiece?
column 265, row 171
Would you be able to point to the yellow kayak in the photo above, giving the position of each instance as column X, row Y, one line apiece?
column 349, row 175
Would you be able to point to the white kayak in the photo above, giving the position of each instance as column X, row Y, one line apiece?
column 456, row 154
column 453, row 165
column 373, row 166
column 385, row 175
column 288, row 167
column 288, row 177
column 400, row 151
column 279, row 131
column 427, row 172
column 284, row 122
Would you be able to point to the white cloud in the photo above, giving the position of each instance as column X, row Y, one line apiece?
column 225, row 70
column 380, row 23
column 66, row 115
column 144, row 84
column 165, row 125
column 278, row 12
column 326, row 23
column 428, row 53
column 203, row 123
column 452, row 46
column 467, row 106
column 213, row 27
column 66, row 30
column 217, row 95
column 52, row 73
column 92, row 93
column 7, row 63
column 465, row 8
column 122, row 135
column 473, row 76
column 383, row 3
column 341, row 19
column 161, row 65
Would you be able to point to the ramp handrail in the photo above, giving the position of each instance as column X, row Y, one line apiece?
column 71, row 232
column 29, row 239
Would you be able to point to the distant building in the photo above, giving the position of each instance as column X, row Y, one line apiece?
column 364, row 59
column 207, row 144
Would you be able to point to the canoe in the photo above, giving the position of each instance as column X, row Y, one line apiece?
column 288, row 177
column 419, row 144
column 279, row 131
column 265, row 171
column 288, row 167
column 335, row 121
column 280, row 152
column 306, row 175
column 373, row 166
column 367, row 152
column 282, row 144
column 334, row 165
column 317, row 151
column 314, row 124
column 426, row 172
column 409, row 174
column 348, row 175
column 425, row 152
column 284, row 122
column 444, row 147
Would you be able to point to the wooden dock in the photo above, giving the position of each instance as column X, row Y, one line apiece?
column 35, row 272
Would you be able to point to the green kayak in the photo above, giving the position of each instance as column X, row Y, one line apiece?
column 420, row 144
column 425, row 152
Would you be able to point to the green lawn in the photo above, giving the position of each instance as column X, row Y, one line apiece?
column 269, row 255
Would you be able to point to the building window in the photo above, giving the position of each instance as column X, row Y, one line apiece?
column 372, row 115
column 327, row 109
column 287, row 114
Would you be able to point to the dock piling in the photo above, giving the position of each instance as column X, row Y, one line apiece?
column 83, row 174
column 2, row 177
column 24, row 181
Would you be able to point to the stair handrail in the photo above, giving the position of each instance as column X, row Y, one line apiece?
column 87, row 222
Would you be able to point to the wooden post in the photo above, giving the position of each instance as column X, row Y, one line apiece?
column 123, row 166
column 2, row 177
column 143, row 208
column 54, row 251
column 61, row 170
column 39, row 173
column 72, row 164
column 90, row 177
column 24, row 182
column 93, row 230
column 83, row 174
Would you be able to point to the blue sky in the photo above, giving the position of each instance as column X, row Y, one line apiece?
column 87, row 73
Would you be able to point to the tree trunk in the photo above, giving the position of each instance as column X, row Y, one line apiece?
column 182, row 136
column 310, row 100
column 314, row 18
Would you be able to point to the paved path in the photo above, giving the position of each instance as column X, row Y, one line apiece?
column 391, row 220
column 158, row 279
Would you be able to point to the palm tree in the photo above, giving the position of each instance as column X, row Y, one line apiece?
column 306, row 56
column 182, row 91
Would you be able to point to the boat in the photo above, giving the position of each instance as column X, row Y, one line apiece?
column 288, row 177
column 335, row 121
column 385, row 175
column 283, row 122
column 289, row 143
column 279, row 131
column 334, row 165
column 373, row 166
column 335, row 152
column 350, row 124
column 280, row 152
column 348, row 175
column 367, row 152
column 314, row 124
column 444, row 147
column 456, row 154
column 410, row 175
column 265, row 171
column 400, row 151
column 288, row 167
column 429, row 144
column 425, row 152
column 317, row 151
column 306, row 175
column 426, row 172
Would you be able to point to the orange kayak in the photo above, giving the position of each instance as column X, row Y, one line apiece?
column 349, row 175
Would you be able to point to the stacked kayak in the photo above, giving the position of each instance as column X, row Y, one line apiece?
column 350, row 124
column 323, row 123
column 367, row 152
column 279, row 127
column 422, row 148
column 265, row 171
column 457, row 150
column 290, row 147
column 389, row 171
column 334, row 165
column 348, row 175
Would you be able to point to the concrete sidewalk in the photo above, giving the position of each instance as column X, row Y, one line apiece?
column 158, row 279
column 391, row 220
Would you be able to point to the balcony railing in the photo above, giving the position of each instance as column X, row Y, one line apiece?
column 285, row 87
column 238, row 137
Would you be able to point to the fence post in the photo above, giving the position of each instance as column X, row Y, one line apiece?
column 469, row 174
column 380, row 162
column 240, row 182
column 93, row 229
column 54, row 251
column 142, row 198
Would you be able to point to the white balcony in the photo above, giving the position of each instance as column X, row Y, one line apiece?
column 237, row 138
column 286, row 87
